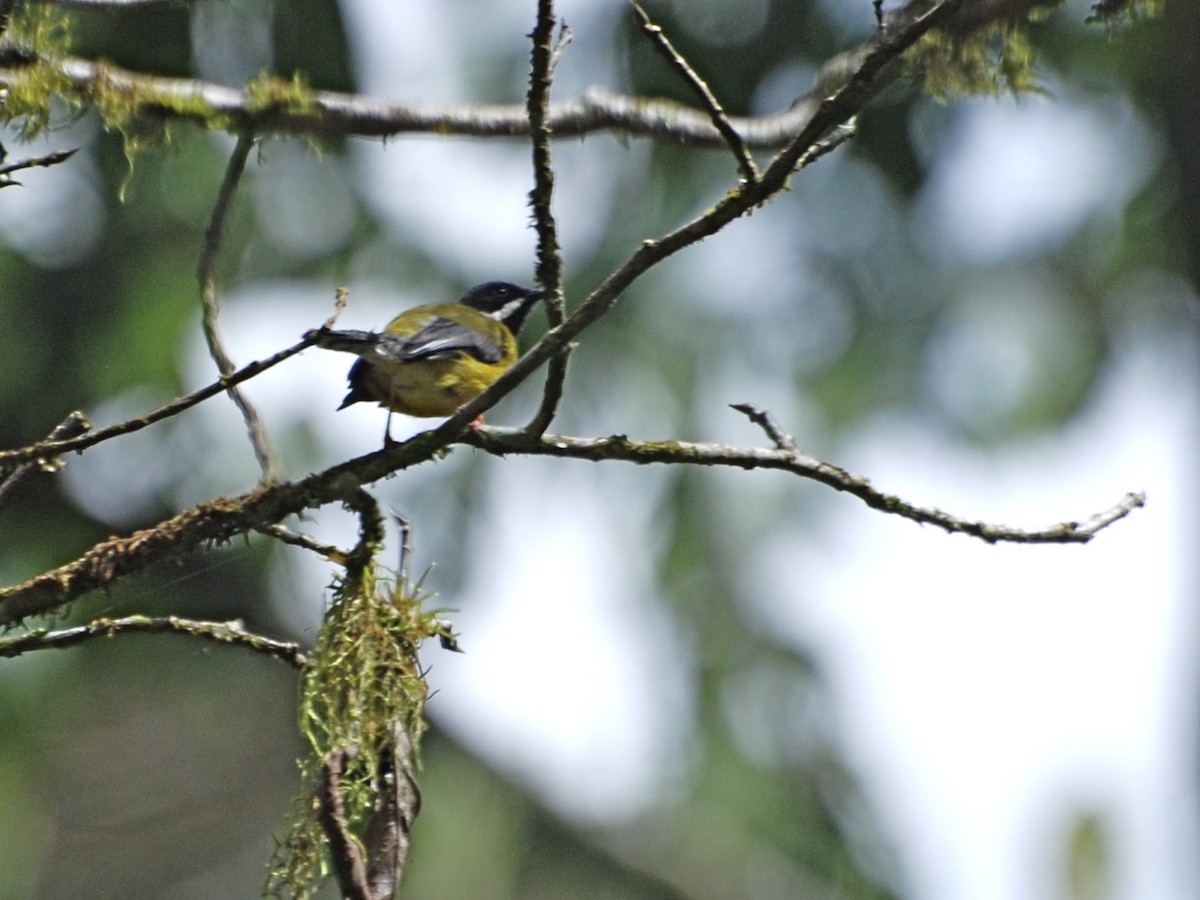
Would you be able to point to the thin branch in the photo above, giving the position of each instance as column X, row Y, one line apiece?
column 332, row 113
column 74, row 424
column 549, row 260
column 285, row 535
column 708, row 99
column 115, row 4
column 764, row 420
column 502, row 441
column 212, row 310
column 970, row 16
column 560, row 47
column 44, row 451
column 45, row 160
column 232, row 632
column 837, row 136
column 405, row 553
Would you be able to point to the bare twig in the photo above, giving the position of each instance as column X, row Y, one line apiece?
column 116, row 4
column 764, row 420
column 502, row 441
column 560, row 47
column 549, row 261
column 837, row 136
column 212, row 309
column 219, row 520
column 232, row 632
column 709, row 100
column 282, row 533
column 405, row 554
column 74, row 424
column 45, row 160
column 48, row 450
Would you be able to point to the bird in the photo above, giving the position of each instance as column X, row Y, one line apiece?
column 430, row 360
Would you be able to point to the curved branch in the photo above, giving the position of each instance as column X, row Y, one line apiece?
column 718, row 116
column 232, row 632
column 255, row 429
column 330, row 112
column 502, row 441
column 50, row 449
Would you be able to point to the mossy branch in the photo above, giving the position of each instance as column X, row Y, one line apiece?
column 362, row 713
column 270, row 104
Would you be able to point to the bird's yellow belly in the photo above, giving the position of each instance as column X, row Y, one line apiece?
column 430, row 387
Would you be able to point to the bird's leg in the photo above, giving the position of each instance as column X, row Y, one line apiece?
column 388, row 440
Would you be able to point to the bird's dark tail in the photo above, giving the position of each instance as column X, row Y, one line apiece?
column 346, row 341
column 358, row 391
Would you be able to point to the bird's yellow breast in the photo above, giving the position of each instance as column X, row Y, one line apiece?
column 435, row 387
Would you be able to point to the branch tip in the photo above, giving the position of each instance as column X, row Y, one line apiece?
column 720, row 120
column 767, row 423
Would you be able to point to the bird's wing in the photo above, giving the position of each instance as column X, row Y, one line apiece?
column 440, row 339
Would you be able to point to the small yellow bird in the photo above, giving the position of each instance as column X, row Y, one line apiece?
column 432, row 359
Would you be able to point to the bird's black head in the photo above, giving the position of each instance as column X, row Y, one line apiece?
column 504, row 302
